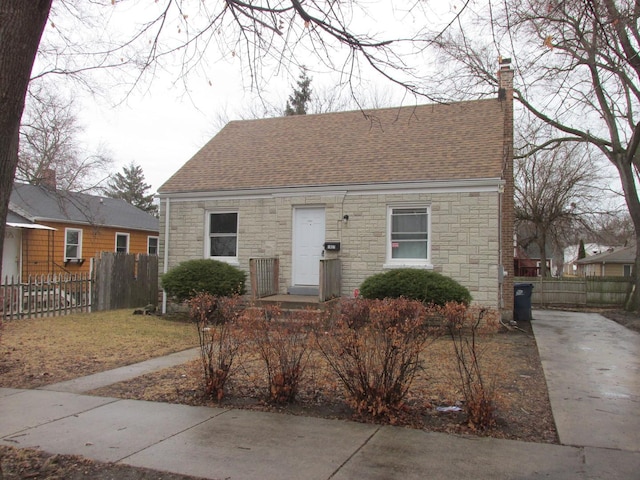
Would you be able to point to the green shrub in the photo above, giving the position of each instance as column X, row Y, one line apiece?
column 424, row 285
column 203, row 276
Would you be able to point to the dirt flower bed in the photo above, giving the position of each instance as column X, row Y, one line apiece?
column 510, row 358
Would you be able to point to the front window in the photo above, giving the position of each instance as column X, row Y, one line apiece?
column 122, row 242
column 627, row 270
column 152, row 245
column 408, row 235
column 223, row 235
column 72, row 244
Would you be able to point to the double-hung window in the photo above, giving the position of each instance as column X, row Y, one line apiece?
column 408, row 230
column 122, row 242
column 223, row 236
column 72, row 244
column 152, row 245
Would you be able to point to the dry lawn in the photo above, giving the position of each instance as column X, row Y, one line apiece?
column 36, row 352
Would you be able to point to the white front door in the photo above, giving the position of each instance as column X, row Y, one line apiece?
column 308, row 244
column 11, row 252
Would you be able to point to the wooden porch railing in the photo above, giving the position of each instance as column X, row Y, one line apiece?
column 263, row 275
column 330, row 278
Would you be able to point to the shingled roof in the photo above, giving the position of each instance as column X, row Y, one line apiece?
column 37, row 203
column 417, row 143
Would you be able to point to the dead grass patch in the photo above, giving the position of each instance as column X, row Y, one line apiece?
column 36, row 352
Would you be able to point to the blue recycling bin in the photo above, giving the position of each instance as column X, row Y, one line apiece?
column 522, row 301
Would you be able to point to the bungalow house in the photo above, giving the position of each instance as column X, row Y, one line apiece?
column 612, row 263
column 49, row 231
column 570, row 255
column 426, row 186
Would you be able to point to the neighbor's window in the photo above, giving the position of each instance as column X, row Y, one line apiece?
column 223, row 235
column 627, row 270
column 72, row 244
column 152, row 245
column 122, row 242
column 408, row 235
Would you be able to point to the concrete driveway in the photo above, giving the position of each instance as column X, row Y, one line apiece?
column 592, row 367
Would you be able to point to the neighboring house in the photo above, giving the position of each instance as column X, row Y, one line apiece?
column 616, row 263
column 428, row 186
column 49, row 231
column 570, row 255
column 528, row 261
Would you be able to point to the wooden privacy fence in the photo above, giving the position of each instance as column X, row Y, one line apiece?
column 581, row 291
column 122, row 280
column 45, row 295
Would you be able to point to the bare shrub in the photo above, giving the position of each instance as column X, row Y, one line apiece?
column 282, row 343
column 216, row 321
column 374, row 348
column 464, row 326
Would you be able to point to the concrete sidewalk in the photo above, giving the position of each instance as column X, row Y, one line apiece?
column 242, row 444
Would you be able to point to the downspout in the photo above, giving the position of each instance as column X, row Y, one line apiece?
column 500, row 247
column 165, row 263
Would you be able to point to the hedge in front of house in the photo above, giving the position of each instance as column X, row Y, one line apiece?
column 203, row 276
column 424, row 285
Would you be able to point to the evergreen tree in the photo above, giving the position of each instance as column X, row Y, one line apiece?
column 297, row 103
column 581, row 251
column 131, row 187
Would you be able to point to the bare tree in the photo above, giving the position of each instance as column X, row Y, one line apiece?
column 555, row 192
column 49, row 143
column 578, row 67
column 261, row 34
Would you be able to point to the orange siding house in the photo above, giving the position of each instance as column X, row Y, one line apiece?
column 59, row 232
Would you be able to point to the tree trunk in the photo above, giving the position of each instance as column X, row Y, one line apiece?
column 542, row 245
column 21, row 26
column 625, row 169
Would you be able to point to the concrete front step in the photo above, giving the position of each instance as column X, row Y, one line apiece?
column 295, row 302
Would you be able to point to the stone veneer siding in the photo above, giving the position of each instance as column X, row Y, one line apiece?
column 464, row 234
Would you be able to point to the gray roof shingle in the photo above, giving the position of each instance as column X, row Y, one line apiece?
column 40, row 204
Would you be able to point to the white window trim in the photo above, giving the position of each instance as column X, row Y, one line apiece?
column 407, row 262
column 149, row 237
column 123, row 234
column 80, row 234
column 207, row 237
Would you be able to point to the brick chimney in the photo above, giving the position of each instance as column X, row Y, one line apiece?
column 507, row 221
column 48, row 179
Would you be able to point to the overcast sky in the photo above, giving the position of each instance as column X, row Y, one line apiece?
column 163, row 121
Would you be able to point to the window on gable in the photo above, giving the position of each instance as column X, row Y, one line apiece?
column 72, row 244
column 223, row 235
column 122, row 242
column 408, row 235
column 152, row 245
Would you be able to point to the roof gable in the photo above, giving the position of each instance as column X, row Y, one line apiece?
column 39, row 204
column 420, row 143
